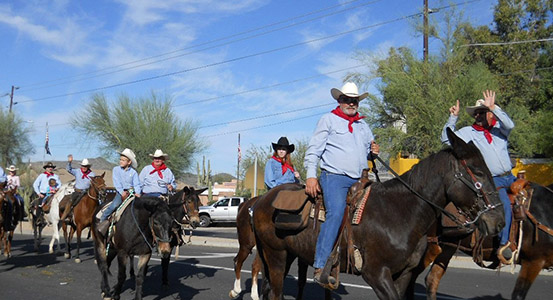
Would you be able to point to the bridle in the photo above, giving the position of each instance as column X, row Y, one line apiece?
column 97, row 189
column 475, row 186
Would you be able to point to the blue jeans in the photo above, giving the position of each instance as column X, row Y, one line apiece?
column 117, row 200
column 156, row 194
column 335, row 189
column 503, row 183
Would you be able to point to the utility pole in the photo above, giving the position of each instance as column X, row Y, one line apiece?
column 11, row 96
column 425, row 29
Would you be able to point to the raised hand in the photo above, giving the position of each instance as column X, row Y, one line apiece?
column 454, row 110
column 70, row 157
column 489, row 99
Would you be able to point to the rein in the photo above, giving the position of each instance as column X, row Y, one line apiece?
column 140, row 230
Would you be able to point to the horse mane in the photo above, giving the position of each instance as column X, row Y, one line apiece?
column 436, row 164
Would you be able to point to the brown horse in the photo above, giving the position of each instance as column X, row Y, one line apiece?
column 10, row 215
column 83, row 214
column 391, row 236
column 535, row 254
column 246, row 240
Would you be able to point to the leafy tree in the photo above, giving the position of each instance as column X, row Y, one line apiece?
column 14, row 138
column 143, row 125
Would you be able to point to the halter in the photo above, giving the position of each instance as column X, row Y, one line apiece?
column 476, row 187
column 95, row 188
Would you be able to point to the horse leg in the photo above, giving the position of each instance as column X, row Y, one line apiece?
column 142, row 267
column 381, row 281
column 239, row 259
column 528, row 272
column 67, row 242
column 103, row 265
column 275, row 264
column 256, row 268
column 8, row 248
column 437, row 271
column 164, row 271
column 121, row 275
column 79, row 232
column 55, row 237
column 302, row 277
column 131, row 268
column 36, row 230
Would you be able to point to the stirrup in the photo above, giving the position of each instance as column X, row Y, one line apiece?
column 500, row 256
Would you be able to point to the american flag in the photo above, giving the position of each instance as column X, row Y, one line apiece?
column 239, row 151
column 46, row 147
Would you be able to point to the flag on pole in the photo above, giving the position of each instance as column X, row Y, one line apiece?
column 239, row 151
column 46, row 147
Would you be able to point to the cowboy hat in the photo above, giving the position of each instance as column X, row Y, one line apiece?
column 479, row 105
column 130, row 155
column 158, row 153
column 283, row 142
column 12, row 168
column 49, row 165
column 85, row 163
column 350, row 90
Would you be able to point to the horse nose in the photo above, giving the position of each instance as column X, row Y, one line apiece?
column 500, row 226
column 164, row 249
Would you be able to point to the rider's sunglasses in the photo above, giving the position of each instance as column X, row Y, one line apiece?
column 348, row 100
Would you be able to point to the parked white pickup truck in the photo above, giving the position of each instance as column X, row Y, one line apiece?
column 224, row 210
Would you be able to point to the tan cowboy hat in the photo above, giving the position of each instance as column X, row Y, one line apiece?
column 86, row 163
column 349, row 89
column 159, row 153
column 49, row 165
column 479, row 105
column 12, row 168
column 130, row 155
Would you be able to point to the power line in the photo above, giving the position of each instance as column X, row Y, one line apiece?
column 205, row 43
column 507, row 43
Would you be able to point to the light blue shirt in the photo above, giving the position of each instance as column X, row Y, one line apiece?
column 41, row 183
column 152, row 183
column 3, row 177
column 496, row 154
column 126, row 179
column 80, row 182
column 339, row 151
column 274, row 176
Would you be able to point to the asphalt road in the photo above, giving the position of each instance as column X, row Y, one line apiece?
column 204, row 272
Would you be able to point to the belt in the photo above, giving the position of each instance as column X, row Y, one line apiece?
column 78, row 190
column 505, row 174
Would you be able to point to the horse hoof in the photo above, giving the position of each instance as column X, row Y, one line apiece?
column 233, row 294
column 78, row 260
column 67, row 255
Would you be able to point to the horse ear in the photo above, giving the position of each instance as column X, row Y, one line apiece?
column 197, row 192
column 460, row 148
column 186, row 190
column 103, row 174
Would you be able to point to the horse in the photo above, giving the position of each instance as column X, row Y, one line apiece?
column 390, row 250
column 145, row 224
column 11, row 213
column 83, row 213
column 52, row 217
column 246, row 240
column 536, row 252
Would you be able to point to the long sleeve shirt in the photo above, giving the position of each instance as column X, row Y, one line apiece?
column 41, row 183
column 153, row 183
column 13, row 182
column 339, row 151
column 496, row 154
column 126, row 179
column 2, row 175
column 80, row 182
column 274, row 176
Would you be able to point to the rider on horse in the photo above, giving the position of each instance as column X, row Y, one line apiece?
column 157, row 179
column 279, row 169
column 82, row 182
column 342, row 141
column 126, row 183
column 489, row 133
column 41, row 185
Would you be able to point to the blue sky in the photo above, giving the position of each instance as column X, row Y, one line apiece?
column 242, row 58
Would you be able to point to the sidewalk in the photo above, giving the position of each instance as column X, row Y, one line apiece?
column 458, row 261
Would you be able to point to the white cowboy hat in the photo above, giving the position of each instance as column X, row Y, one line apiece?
column 479, row 105
column 159, row 153
column 86, row 163
column 349, row 89
column 130, row 155
column 12, row 168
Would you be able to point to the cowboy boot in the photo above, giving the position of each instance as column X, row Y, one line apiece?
column 102, row 227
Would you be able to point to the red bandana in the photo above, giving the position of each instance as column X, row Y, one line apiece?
column 285, row 166
column 337, row 111
column 487, row 133
column 48, row 174
column 158, row 170
column 85, row 174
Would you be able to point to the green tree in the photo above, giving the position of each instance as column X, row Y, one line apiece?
column 14, row 138
column 143, row 125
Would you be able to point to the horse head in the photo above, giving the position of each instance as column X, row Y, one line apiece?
column 98, row 184
column 190, row 201
column 471, row 188
column 161, row 223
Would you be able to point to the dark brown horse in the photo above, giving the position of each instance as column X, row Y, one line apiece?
column 535, row 254
column 246, row 240
column 83, row 213
column 391, row 236
column 11, row 214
